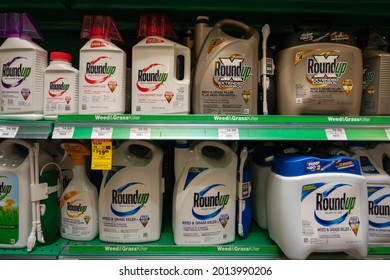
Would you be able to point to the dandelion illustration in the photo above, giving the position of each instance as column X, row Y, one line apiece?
column 8, row 204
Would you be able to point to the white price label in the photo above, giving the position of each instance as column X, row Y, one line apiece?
column 388, row 133
column 336, row 134
column 228, row 134
column 101, row 132
column 140, row 132
column 8, row 131
column 63, row 132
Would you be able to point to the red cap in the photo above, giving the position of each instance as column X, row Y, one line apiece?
column 60, row 56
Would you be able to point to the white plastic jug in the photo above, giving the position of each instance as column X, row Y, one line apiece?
column 204, row 197
column 131, row 194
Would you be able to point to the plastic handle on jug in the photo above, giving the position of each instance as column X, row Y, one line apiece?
column 7, row 144
column 186, row 54
column 226, row 149
column 249, row 31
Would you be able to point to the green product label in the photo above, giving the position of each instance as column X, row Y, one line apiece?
column 9, row 208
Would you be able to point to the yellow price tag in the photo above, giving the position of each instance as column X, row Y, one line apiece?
column 101, row 154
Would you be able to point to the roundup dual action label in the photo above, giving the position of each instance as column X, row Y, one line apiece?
column 330, row 214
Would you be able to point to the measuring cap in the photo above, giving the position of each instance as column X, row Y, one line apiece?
column 19, row 25
column 98, row 26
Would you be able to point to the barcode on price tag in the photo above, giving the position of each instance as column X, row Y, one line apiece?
column 140, row 132
column 228, row 134
column 8, row 131
column 63, row 132
column 101, row 132
column 336, row 134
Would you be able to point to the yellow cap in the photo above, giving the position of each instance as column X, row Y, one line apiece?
column 77, row 151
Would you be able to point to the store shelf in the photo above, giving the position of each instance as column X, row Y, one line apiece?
column 203, row 127
column 39, row 252
column 25, row 129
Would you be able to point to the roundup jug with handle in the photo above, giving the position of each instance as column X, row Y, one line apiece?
column 204, row 197
column 131, row 194
column 225, row 74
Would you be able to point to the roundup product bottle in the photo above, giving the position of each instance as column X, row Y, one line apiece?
column 161, row 74
column 319, row 73
column 102, row 68
column 225, row 74
column 22, row 62
column 61, row 87
column 131, row 194
column 317, row 204
column 204, row 197
column 376, row 63
column 79, row 202
column 15, row 192
column 378, row 187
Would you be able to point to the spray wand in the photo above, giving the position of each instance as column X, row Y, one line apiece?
column 265, row 31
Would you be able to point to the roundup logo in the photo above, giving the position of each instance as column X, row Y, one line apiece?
column 13, row 74
column 340, row 205
column 73, row 206
column 151, row 77
column 325, row 69
column 135, row 200
column 4, row 189
column 98, row 71
column 213, row 204
column 378, row 208
column 58, row 87
column 231, row 73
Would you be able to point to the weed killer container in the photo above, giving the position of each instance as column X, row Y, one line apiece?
column 102, row 68
column 378, row 187
column 225, row 74
column 317, row 204
column 204, row 197
column 376, row 63
column 23, row 63
column 79, row 202
column 61, row 87
column 319, row 73
column 15, row 192
column 161, row 74
column 131, row 194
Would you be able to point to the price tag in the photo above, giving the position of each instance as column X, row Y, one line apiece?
column 101, row 132
column 140, row 132
column 101, row 158
column 63, row 132
column 228, row 134
column 336, row 134
column 387, row 133
column 8, row 131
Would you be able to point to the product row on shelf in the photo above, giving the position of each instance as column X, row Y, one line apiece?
column 294, row 198
column 226, row 68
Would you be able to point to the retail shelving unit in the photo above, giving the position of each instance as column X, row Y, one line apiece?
column 60, row 21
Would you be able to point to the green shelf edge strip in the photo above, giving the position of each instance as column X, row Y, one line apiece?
column 204, row 127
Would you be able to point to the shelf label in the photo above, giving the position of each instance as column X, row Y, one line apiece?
column 140, row 133
column 228, row 133
column 101, row 132
column 388, row 133
column 8, row 131
column 101, row 154
column 63, row 132
column 336, row 134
